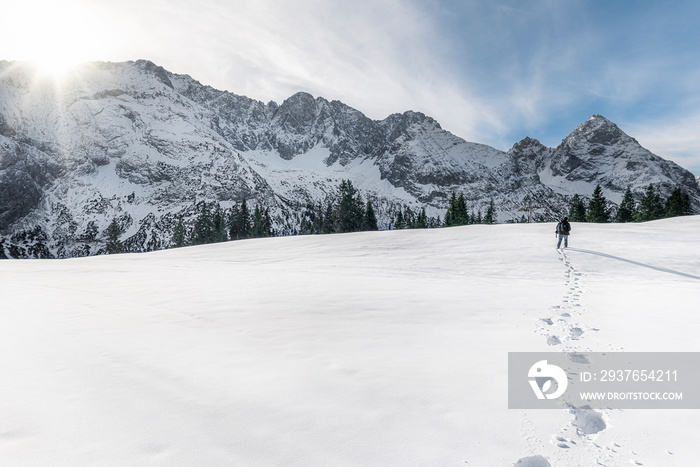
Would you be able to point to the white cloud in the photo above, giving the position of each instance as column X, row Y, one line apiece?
column 502, row 72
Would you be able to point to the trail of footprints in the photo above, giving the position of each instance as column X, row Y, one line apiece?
column 564, row 330
column 561, row 325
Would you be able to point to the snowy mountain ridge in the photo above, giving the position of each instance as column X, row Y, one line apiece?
column 134, row 142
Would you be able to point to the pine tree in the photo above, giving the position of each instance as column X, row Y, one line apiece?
column 349, row 208
column 113, row 232
column 179, row 234
column 577, row 213
column 203, row 226
column 369, row 220
column 328, row 225
column 219, row 233
column 258, row 228
column 267, row 223
column 490, row 216
column 244, row 220
column 233, row 222
column 461, row 214
column 650, row 206
column 597, row 208
column 400, row 223
column 422, row 220
column 678, row 204
column 626, row 211
column 456, row 211
column 239, row 221
column 450, row 214
column 409, row 218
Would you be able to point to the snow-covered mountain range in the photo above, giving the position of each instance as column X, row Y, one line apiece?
column 135, row 142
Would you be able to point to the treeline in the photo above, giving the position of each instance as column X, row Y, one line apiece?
column 406, row 218
column 215, row 224
column 649, row 208
column 347, row 213
column 458, row 214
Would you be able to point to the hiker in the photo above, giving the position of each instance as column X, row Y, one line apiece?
column 563, row 229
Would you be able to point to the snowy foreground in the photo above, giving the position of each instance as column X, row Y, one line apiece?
column 385, row 348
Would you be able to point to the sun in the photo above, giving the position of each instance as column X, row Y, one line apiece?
column 53, row 36
column 56, row 66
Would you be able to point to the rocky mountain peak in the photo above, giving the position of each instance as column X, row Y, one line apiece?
column 144, row 146
column 528, row 148
column 597, row 130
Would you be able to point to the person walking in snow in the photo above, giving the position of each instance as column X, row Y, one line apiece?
column 562, row 231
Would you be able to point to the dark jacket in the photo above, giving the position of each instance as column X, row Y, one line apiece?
column 563, row 228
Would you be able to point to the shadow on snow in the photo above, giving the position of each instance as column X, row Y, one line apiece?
column 657, row 268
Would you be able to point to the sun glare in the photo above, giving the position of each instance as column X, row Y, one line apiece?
column 55, row 36
column 55, row 67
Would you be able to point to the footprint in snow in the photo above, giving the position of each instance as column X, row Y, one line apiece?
column 553, row 340
column 533, row 461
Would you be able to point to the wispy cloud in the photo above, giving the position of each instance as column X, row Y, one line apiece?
column 489, row 72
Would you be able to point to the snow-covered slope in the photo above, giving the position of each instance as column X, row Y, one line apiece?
column 385, row 348
column 131, row 141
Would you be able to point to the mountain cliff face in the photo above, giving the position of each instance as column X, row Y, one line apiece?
column 133, row 142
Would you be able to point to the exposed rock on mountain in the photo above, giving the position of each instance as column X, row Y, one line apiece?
column 133, row 142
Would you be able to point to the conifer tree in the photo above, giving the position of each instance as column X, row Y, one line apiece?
column 369, row 220
column 650, row 206
column 597, row 208
column 267, row 223
column 461, row 214
column 400, row 223
column 219, row 233
column 239, row 221
column 456, row 211
column 349, row 208
column 577, row 213
column 113, row 232
column 257, row 228
column 422, row 220
column 409, row 218
column 179, row 234
column 234, row 213
column 626, row 211
column 450, row 214
column 203, row 226
column 244, row 220
column 328, row 224
column 490, row 216
column 678, row 204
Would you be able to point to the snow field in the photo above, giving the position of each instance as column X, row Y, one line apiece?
column 385, row 348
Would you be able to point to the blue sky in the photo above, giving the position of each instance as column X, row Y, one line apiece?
column 490, row 72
